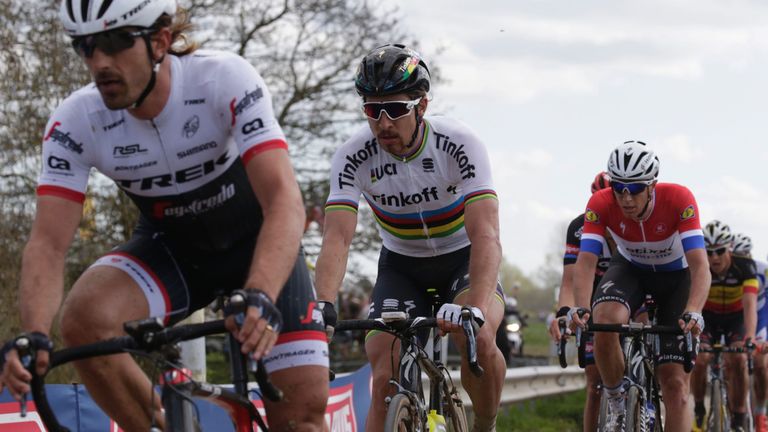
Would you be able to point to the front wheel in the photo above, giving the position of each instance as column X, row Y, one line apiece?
column 402, row 416
column 455, row 416
column 717, row 419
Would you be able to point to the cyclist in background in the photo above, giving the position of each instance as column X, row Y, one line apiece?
column 190, row 136
column 566, row 298
column 428, row 182
column 660, row 251
column 742, row 247
column 730, row 312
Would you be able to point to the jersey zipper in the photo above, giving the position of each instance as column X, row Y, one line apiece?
column 424, row 226
column 642, row 232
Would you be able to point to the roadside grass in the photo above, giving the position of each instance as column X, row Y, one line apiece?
column 536, row 339
column 561, row 413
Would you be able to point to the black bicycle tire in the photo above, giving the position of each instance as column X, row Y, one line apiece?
column 635, row 419
column 455, row 414
column 716, row 418
column 401, row 409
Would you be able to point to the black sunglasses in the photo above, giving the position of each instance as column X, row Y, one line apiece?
column 110, row 42
column 718, row 251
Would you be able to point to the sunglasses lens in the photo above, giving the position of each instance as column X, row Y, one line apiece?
column 394, row 110
column 718, row 251
column 109, row 43
column 632, row 188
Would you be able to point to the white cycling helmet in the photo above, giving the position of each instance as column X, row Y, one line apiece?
column 717, row 233
column 84, row 17
column 633, row 162
column 742, row 244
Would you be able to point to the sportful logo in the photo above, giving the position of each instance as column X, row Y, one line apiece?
column 247, row 101
column 63, row 139
column 428, row 164
column 190, row 127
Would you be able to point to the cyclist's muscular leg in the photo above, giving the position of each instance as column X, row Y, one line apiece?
column 761, row 379
column 95, row 309
column 699, row 376
column 736, row 377
column 674, row 387
column 608, row 355
column 380, row 351
column 484, row 391
column 302, row 409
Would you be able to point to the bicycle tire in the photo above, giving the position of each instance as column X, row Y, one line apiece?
column 402, row 416
column 455, row 415
column 602, row 415
column 635, row 420
column 717, row 418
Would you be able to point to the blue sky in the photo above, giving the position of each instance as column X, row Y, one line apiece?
column 553, row 86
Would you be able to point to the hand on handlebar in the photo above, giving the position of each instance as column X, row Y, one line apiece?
column 254, row 321
column 449, row 317
column 560, row 321
column 692, row 322
column 329, row 316
column 16, row 376
column 578, row 318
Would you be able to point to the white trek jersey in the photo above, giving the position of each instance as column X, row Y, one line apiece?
column 418, row 201
column 184, row 169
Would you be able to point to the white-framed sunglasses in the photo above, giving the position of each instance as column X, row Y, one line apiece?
column 394, row 109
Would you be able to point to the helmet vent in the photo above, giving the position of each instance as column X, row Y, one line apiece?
column 69, row 10
column 84, row 6
column 103, row 8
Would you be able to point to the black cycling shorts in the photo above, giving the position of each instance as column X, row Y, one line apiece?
column 730, row 326
column 409, row 283
column 178, row 280
column 627, row 284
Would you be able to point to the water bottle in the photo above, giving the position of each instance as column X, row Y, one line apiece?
column 436, row 422
column 650, row 410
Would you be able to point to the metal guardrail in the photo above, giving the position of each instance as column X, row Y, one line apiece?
column 530, row 382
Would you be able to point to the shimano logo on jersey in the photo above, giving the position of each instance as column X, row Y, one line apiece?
column 135, row 167
column 402, row 200
column 190, row 127
column 113, row 125
column 180, row 176
column 378, row 172
column 63, row 139
column 127, row 151
column 457, row 152
column 197, row 149
column 354, row 161
column 198, row 206
column 246, row 102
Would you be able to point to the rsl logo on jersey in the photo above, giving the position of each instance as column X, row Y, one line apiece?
column 687, row 213
column 591, row 217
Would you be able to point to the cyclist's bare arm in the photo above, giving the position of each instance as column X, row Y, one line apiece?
column 566, row 297
column 583, row 278
column 701, row 279
column 273, row 181
column 42, row 279
column 338, row 232
column 749, row 302
column 481, row 221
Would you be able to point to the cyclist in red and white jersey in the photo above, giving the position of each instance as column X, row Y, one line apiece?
column 190, row 136
column 428, row 182
column 566, row 299
column 660, row 251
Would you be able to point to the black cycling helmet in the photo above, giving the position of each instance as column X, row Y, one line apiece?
column 391, row 69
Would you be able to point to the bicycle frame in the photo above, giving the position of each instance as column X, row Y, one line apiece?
column 148, row 336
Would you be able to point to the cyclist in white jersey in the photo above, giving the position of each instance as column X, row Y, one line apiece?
column 742, row 246
column 190, row 136
column 428, row 182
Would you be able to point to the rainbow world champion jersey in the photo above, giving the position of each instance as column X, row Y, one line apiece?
column 185, row 168
column 417, row 201
column 658, row 243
